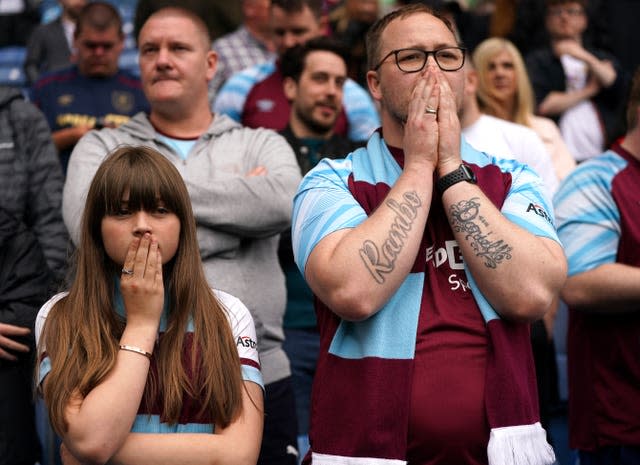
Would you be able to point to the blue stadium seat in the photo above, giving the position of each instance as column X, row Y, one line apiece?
column 129, row 61
column 11, row 61
column 49, row 10
column 129, row 57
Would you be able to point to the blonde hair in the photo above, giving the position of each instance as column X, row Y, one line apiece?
column 524, row 101
column 82, row 331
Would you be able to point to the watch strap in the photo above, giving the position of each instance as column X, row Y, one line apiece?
column 462, row 173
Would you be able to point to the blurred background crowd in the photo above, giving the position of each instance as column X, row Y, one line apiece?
column 547, row 84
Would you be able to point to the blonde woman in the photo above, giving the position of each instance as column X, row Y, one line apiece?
column 141, row 347
column 504, row 91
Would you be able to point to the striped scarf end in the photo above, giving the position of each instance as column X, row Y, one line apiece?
column 520, row 445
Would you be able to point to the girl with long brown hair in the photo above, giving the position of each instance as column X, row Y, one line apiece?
column 141, row 346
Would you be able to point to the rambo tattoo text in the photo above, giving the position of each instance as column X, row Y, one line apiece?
column 381, row 261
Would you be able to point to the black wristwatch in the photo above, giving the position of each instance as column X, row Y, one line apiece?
column 463, row 173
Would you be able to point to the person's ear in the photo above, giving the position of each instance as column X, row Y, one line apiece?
column 373, row 81
column 212, row 64
column 471, row 81
column 290, row 87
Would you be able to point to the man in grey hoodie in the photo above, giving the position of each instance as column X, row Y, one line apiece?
column 241, row 183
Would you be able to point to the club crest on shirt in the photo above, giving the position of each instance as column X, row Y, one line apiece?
column 122, row 101
column 265, row 105
column 540, row 211
column 65, row 100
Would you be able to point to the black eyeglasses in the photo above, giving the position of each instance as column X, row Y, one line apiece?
column 94, row 45
column 571, row 11
column 412, row 60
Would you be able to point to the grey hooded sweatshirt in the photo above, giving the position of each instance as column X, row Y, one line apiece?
column 239, row 218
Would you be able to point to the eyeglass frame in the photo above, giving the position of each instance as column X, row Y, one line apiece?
column 426, row 58
column 571, row 11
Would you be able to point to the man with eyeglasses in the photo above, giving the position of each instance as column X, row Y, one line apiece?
column 428, row 259
column 579, row 87
column 94, row 92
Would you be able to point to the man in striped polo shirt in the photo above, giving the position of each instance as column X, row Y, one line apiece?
column 598, row 213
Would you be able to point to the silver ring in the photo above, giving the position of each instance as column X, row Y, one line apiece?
column 127, row 272
column 431, row 111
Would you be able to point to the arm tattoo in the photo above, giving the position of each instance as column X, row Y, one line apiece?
column 466, row 218
column 381, row 262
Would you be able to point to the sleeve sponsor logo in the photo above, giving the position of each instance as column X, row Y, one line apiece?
column 265, row 105
column 540, row 211
column 246, row 341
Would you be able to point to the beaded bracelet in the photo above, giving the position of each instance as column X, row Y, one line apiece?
column 135, row 349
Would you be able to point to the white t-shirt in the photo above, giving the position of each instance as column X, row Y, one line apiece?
column 69, row 28
column 505, row 139
column 580, row 125
column 11, row 7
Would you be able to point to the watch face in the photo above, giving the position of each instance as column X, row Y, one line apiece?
column 468, row 173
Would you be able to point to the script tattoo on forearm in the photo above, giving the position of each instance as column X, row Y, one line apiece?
column 381, row 260
column 465, row 218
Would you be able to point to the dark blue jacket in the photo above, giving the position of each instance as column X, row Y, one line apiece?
column 24, row 287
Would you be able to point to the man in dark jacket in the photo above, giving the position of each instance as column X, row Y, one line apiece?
column 31, row 178
column 49, row 47
column 95, row 92
column 33, row 248
column 24, row 287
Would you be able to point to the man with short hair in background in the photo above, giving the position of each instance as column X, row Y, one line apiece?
column 94, row 92
column 255, row 96
column 314, row 74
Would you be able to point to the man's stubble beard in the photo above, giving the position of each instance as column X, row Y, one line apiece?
column 317, row 128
